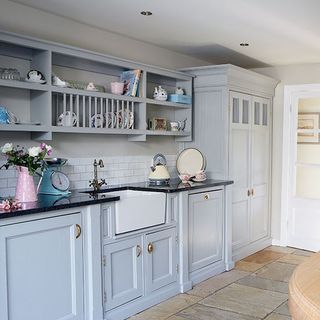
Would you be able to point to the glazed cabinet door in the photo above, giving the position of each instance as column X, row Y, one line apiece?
column 239, row 167
column 41, row 269
column 260, row 141
column 205, row 229
column 123, row 272
column 161, row 259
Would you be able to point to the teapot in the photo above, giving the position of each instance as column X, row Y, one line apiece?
column 36, row 76
column 179, row 90
column 160, row 94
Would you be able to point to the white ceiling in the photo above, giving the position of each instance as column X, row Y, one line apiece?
column 279, row 31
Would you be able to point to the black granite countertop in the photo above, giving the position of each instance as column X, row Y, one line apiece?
column 175, row 186
column 47, row 203
column 84, row 197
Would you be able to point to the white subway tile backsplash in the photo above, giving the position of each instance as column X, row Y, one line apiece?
column 117, row 170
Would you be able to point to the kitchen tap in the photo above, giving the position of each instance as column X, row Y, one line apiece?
column 95, row 182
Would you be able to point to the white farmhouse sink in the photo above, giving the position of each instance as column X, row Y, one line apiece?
column 139, row 209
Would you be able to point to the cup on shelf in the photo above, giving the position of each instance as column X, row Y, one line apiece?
column 175, row 126
column 117, row 87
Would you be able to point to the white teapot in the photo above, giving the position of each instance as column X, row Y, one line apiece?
column 160, row 94
column 179, row 90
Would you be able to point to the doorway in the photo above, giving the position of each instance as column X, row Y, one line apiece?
column 301, row 168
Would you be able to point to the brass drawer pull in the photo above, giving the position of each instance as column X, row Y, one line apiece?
column 206, row 196
column 150, row 247
column 138, row 251
column 78, row 231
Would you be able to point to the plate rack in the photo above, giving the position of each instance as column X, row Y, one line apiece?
column 93, row 111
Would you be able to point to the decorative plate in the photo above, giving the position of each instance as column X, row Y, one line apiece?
column 190, row 161
column 67, row 119
column 97, row 120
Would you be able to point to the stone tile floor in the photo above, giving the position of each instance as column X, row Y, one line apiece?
column 257, row 288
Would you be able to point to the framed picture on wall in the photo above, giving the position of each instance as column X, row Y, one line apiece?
column 308, row 121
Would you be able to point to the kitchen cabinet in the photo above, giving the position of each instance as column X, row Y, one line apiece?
column 234, row 109
column 123, row 272
column 149, row 259
column 249, row 167
column 161, row 259
column 41, row 269
column 205, row 229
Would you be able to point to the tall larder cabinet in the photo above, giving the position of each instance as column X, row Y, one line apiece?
column 232, row 126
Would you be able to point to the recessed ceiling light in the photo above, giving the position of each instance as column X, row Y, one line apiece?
column 146, row 13
column 244, row 44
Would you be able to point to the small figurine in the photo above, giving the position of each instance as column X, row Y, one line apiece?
column 179, row 90
column 160, row 94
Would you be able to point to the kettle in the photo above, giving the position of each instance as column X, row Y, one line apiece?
column 159, row 174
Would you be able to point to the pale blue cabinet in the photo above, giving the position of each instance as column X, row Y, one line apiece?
column 161, row 259
column 137, row 266
column 123, row 272
column 205, row 229
column 41, row 269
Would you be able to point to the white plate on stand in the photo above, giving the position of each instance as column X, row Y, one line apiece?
column 190, row 161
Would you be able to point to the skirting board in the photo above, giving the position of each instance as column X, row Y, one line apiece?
column 207, row 272
column 251, row 249
column 140, row 304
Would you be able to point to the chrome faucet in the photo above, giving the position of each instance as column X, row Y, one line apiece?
column 95, row 182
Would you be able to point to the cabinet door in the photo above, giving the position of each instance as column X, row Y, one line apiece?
column 41, row 270
column 239, row 167
column 260, row 137
column 123, row 272
column 161, row 259
column 205, row 229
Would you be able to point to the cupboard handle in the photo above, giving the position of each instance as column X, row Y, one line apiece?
column 252, row 192
column 206, row 196
column 138, row 251
column 249, row 193
column 150, row 247
column 78, row 231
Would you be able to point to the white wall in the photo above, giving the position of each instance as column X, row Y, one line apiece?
column 289, row 75
column 21, row 19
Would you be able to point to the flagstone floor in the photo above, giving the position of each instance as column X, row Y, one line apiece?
column 257, row 288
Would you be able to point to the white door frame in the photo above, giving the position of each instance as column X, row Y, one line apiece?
column 292, row 93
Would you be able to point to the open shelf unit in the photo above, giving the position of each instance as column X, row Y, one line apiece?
column 91, row 112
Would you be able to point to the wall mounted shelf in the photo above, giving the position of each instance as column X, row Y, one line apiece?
column 32, row 102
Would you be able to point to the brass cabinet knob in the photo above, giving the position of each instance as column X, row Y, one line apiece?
column 150, row 247
column 252, row 192
column 206, row 196
column 78, row 228
column 138, row 251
